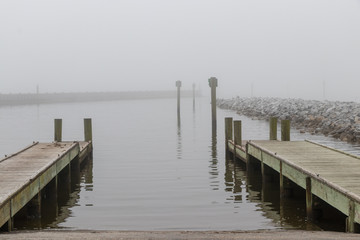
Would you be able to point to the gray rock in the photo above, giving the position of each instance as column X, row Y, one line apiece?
column 338, row 119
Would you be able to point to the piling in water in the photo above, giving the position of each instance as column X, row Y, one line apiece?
column 87, row 129
column 193, row 86
column 309, row 200
column 237, row 135
column 228, row 134
column 237, row 132
column 285, row 130
column 58, row 130
column 273, row 128
column 213, row 83
column 178, row 85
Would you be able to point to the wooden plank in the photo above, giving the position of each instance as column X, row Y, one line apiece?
column 47, row 176
column 25, row 173
column 294, row 175
column 4, row 213
column 24, row 196
column 240, row 152
column 62, row 163
column 334, row 176
column 330, row 195
column 255, row 152
column 271, row 161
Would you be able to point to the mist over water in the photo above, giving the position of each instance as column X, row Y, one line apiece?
column 152, row 170
column 283, row 48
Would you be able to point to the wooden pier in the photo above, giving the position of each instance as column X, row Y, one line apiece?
column 24, row 175
column 323, row 172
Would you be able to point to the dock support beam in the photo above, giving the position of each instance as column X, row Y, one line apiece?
column 58, row 130
column 350, row 220
column 10, row 224
column 51, row 191
column 237, row 135
column 273, row 128
column 285, row 130
column 228, row 134
column 286, row 189
column 87, row 129
column 309, row 199
column 34, row 206
column 178, row 85
column 213, row 83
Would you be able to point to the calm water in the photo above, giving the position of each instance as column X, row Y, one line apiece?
column 152, row 172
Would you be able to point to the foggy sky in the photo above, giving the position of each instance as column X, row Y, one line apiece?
column 284, row 48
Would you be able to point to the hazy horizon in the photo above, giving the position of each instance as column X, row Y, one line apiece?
column 278, row 48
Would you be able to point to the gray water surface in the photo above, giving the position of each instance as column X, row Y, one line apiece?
column 151, row 171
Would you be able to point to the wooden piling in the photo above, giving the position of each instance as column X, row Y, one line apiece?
column 178, row 85
column 58, row 130
column 350, row 220
column 87, row 129
column 281, row 179
column 228, row 132
column 273, row 128
column 10, row 224
column 285, row 130
column 309, row 199
column 52, row 194
column 193, row 87
column 237, row 135
column 35, row 206
column 213, row 83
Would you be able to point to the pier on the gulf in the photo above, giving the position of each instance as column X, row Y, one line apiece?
column 326, row 174
column 38, row 172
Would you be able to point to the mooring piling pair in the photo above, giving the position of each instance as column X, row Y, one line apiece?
column 87, row 130
column 178, row 86
column 229, row 124
column 285, row 129
column 213, row 83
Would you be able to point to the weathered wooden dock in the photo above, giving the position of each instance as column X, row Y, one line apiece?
column 326, row 173
column 25, row 174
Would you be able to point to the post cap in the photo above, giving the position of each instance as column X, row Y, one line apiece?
column 178, row 83
column 213, row 82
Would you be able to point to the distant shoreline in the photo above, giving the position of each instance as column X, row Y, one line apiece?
column 48, row 98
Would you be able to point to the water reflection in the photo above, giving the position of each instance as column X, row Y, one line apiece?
column 214, row 172
column 56, row 207
column 247, row 185
column 179, row 140
column 85, row 182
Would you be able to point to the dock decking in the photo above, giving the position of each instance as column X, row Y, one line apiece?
column 324, row 172
column 24, row 174
column 329, row 174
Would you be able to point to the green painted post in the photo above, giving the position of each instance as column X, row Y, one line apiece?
column 178, row 85
column 273, row 128
column 213, row 83
column 228, row 132
column 309, row 199
column 285, row 130
column 58, row 130
column 87, row 129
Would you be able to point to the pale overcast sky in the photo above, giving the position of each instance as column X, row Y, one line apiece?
column 285, row 48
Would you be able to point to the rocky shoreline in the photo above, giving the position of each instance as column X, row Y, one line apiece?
column 332, row 118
